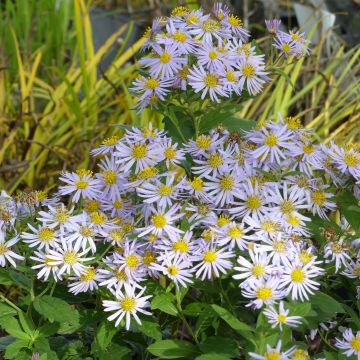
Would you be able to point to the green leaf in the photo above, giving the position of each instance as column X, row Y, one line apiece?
column 299, row 309
column 5, row 278
column 6, row 310
column 114, row 352
column 13, row 350
column 221, row 346
column 13, row 327
column 55, row 309
column 196, row 309
column 164, row 302
column 240, row 327
column 231, row 123
column 349, row 208
column 326, row 303
column 49, row 329
column 213, row 357
column 43, row 347
column 5, row 341
column 105, row 333
column 173, row 349
column 149, row 327
column 20, row 279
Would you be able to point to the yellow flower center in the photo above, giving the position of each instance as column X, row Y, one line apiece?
column 253, row 202
column 149, row 258
column 83, row 172
column 121, row 275
column 110, row 177
column 128, row 304
column 197, row 184
column 235, row 232
column 300, row 354
column 92, row 206
column 61, row 215
column 203, row 142
column 173, row 270
column 287, row 207
column 258, row 270
column 308, row 149
column 203, row 209
column 3, row 249
column 297, row 275
column 211, row 80
column 286, row 48
column 294, row 220
column 272, row 355
column 180, row 11
column 159, row 220
column 337, row 248
column 98, row 218
column 165, row 190
column 192, row 19
column 111, row 141
column 211, row 25
column 139, row 151
column 86, row 231
column 215, row 160
column 179, row 36
column 70, row 257
column 169, row 153
column 356, row 270
column 302, row 182
column 181, row 246
column 209, row 256
column 269, row 226
column 281, row 318
column 88, row 275
column 305, row 257
column 293, row 123
column 351, row 160
column 264, row 293
column 117, row 204
column 248, row 70
column 147, row 173
column 226, row 183
column 271, row 140
column 118, row 235
column 234, row 20
column 230, row 76
column 213, row 55
column 223, row 220
column 46, row 234
column 296, row 37
column 152, row 83
column 355, row 344
column 184, row 72
column 165, row 57
column 318, row 197
column 81, row 184
column 279, row 246
column 132, row 261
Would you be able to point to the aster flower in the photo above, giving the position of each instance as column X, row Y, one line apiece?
column 106, row 147
column 286, row 46
column 210, row 58
column 350, row 343
column 58, row 216
column 274, row 353
column 233, row 234
column 281, row 317
column 87, row 281
column 235, row 25
column 212, row 262
column 338, row 253
column 273, row 26
column 127, row 304
column 165, row 63
column 147, row 87
column 44, row 266
column 6, row 253
column 171, row 154
column 207, row 82
column 208, row 30
column 43, row 237
column 80, row 184
column 319, row 201
column 297, row 279
column 83, row 235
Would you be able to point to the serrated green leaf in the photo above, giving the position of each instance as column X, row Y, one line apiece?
column 13, row 350
column 149, row 327
column 104, row 334
column 173, row 349
column 13, row 327
column 6, row 310
column 221, row 346
column 20, row 279
column 213, row 357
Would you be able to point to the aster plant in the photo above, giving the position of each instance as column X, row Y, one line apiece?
column 226, row 243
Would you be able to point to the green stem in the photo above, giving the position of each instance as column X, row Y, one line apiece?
column 7, row 301
column 183, row 318
column 46, row 289
column 225, row 296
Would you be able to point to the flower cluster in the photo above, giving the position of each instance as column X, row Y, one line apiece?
column 208, row 53
column 242, row 210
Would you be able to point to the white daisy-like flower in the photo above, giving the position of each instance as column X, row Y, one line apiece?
column 257, row 269
column 86, row 281
column 207, row 82
column 162, row 221
column 236, row 26
column 213, row 261
column 175, row 268
column 171, row 154
column 127, row 304
column 338, row 253
column 181, row 247
column 165, row 63
column 140, row 154
column 106, row 147
column 319, row 201
column 209, row 30
column 6, row 254
column 352, row 270
column 147, row 87
column 281, row 317
column 80, row 185
column 233, row 234
column 350, row 343
column 45, row 266
column 263, row 292
column 214, row 164
column 297, row 279
column 203, row 144
column 43, row 237
column 279, row 248
column 83, row 235
column 274, row 353
column 68, row 258
column 210, row 58
column 58, row 216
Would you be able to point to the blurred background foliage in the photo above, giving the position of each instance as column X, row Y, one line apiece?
column 66, row 65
